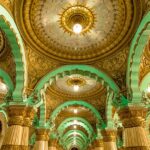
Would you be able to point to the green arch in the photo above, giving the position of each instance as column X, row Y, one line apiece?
column 71, row 133
column 85, row 70
column 9, row 27
column 80, row 103
column 79, row 142
column 139, row 41
column 80, row 121
column 80, row 69
column 4, row 75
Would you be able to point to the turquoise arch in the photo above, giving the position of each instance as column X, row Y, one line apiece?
column 79, row 140
column 11, row 31
column 67, row 70
column 71, row 133
column 80, row 121
column 6, row 78
column 138, row 44
column 80, row 103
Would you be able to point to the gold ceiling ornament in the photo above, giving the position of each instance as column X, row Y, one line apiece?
column 114, row 27
column 76, row 81
column 77, row 19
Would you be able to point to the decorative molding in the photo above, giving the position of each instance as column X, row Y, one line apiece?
column 109, row 135
column 42, row 134
column 133, row 116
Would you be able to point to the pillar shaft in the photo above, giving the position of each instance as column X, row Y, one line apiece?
column 42, row 137
column 52, row 144
column 17, row 134
column 109, row 138
column 134, row 134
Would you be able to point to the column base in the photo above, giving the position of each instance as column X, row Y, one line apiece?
column 14, row 147
column 137, row 148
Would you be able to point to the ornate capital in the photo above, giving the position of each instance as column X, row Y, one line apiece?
column 109, row 135
column 52, row 142
column 20, row 115
column 29, row 115
column 133, row 116
column 98, row 143
column 42, row 134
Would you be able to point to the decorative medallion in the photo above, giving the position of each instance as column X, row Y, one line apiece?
column 77, row 84
column 76, row 81
column 106, row 26
column 75, row 16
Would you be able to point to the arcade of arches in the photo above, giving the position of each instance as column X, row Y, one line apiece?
column 74, row 75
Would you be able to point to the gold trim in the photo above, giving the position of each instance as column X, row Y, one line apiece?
column 133, row 116
column 77, row 14
column 42, row 134
column 14, row 147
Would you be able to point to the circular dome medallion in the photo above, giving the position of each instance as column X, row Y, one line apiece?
column 77, row 84
column 77, row 15
column 108, row 25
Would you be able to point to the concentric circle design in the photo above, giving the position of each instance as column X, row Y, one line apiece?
column 85, row 85
column 77, row 14
column 76, row 81
column 112, row 28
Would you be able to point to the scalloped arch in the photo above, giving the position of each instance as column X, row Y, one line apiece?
column 80, row 121
column 11, row 31
column 68, row 70
column 138, row 44
column 80, row 103
column 79, row 141
column 71, row 133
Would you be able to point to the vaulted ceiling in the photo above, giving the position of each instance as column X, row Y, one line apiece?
column 74, row 100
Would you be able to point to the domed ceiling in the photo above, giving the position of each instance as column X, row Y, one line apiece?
column 47, row 26
column 95, row 33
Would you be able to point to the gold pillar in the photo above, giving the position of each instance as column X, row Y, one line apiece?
column 98, row 144
column 134, row 134
column 109, row 138
column 17, row 135
column 52, row 144
column 42, row 137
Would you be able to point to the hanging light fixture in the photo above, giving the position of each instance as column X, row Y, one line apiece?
column 148, row 91
column 76, row 88
column 75, row 111
column 77, row 28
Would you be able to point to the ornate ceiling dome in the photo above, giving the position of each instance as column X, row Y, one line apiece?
column 104, row 27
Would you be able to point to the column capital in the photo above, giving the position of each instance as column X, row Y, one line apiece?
column 133, row 116
column 52, row 142
column 42, row 134
column 20, row 115
column 98, row 143
column 109, row 135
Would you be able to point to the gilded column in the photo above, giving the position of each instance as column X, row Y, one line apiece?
column 52, row 144
column 17, row 134
column 109, row 139
column 42, row 138
column 134, row 135
column 98, row 144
